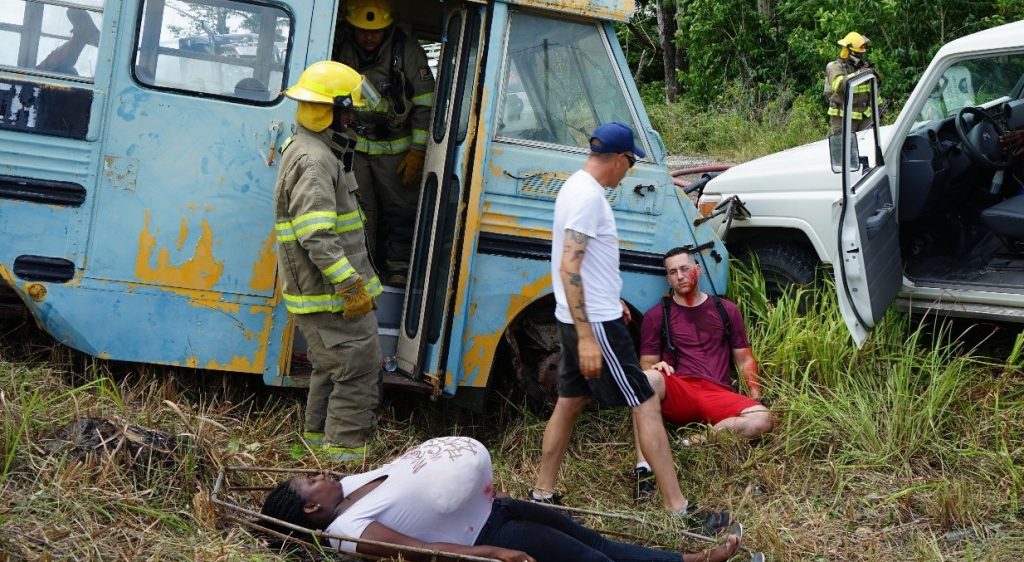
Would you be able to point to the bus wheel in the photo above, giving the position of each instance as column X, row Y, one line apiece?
column 535, row 354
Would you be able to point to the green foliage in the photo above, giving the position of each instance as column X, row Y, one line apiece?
column 736, row 55
column 745, row 127
column 907, row 449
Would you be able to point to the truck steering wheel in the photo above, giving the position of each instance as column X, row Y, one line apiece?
column 981, row 141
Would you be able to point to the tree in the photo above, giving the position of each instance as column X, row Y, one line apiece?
column 666, row 13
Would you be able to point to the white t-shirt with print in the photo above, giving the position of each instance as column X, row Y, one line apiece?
column 438, row 491
column 581, row 206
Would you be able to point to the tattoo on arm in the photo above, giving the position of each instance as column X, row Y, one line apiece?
column 575, row 279
column 581, row 312
column 578, row 237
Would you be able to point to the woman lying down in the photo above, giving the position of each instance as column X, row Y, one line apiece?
column 440, row 496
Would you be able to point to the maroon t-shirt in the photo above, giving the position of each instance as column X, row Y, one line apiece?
column 697, row 333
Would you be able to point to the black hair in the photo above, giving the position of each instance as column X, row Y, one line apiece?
column 681, row 250
column 286, row 504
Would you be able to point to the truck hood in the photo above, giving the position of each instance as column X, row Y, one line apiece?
column 803, row 168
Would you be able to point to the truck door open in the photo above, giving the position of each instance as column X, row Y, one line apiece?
column 422, row 337
column 869, row 267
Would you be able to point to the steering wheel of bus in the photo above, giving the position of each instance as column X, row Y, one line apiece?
column 981, row 140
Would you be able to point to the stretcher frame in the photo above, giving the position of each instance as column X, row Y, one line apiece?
column 232, row 511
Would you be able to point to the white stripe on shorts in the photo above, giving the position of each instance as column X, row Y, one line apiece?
column 618, row 374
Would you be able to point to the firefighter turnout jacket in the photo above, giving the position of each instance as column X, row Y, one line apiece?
column 837, row 73
column 398, row 69
column 320, row 237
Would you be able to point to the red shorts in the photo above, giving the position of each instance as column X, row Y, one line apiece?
column 693, row 399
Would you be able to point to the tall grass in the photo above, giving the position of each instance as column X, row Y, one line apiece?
column 742, row 126
column 911, row 448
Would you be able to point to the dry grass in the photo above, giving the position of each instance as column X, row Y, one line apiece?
column 910, row 449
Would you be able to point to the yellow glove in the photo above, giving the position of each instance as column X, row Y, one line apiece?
column 411, row 167
column 355, row 296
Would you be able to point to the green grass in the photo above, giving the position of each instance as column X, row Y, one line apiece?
column 911, row 448
column 741, row 126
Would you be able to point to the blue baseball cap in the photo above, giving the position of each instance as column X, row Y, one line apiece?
column 615, row 137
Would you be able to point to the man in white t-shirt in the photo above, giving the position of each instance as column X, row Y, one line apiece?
column 598, row 356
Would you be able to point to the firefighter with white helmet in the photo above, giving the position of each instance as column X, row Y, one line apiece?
column 852, row 60
column 392, row 135
column 327, row 279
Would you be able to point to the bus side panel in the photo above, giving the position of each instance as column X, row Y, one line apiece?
column 93, row 317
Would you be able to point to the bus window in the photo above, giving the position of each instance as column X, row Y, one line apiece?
column 222, row 48
column 51, row 39
column 560, row 82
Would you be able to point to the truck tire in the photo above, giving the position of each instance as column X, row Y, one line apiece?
column 785, row 266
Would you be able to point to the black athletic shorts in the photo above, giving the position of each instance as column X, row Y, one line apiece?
column 622, row 383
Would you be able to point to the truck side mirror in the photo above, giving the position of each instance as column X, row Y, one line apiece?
column 835, row 149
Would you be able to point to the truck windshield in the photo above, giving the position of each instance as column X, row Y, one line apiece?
column 560, row 82
column 972, row 83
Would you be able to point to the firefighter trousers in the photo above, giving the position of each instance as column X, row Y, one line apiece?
column 345, row 388
column 856, row 124
column 388, row 205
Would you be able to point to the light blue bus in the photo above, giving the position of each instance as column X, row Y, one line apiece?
column 137, row 165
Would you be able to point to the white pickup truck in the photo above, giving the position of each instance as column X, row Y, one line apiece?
column 928, row 211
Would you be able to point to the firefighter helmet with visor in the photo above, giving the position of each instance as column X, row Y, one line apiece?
column 325, row 85
column 853, row 42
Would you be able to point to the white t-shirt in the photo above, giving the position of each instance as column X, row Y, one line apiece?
column 438, row 491
column 581, row 206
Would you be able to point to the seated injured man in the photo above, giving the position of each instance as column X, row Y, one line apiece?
column 440, row 496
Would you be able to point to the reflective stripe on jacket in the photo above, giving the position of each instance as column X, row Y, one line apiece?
column 319, row 225
column 419, row 80
column 836, row 74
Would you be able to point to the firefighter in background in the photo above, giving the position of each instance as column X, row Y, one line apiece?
column 852, row 60
column 328, row 280
column 392, row 135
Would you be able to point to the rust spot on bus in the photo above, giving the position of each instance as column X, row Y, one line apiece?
column 480, row 348
column 256, row 363
column 201, row 271
column 265, row 268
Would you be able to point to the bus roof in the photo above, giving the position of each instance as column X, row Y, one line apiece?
column 618, row 10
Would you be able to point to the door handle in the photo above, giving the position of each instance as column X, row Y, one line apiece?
column 273, row 135
column 640, row 189
column 878, row 220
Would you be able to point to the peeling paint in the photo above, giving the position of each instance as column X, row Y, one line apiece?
column 264, row 270
column 255, row 364
column 182, row 234
column 479, row 352
column 619, row 10
column 284, row 358
column 472, row 213
column 201, row 271
column 500, row 223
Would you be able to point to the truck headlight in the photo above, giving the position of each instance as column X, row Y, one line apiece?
column 707, row 203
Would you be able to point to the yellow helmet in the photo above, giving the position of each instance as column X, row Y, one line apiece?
column 323, row 86
column 328, row 82
column 853, row 42
column 369, row 14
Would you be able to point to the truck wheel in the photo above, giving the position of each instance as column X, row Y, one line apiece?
column 785, row 266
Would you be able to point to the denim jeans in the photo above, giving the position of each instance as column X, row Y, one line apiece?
column 550, row 536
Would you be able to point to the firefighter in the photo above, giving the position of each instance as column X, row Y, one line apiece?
column 852, row 60
column 328, row 280
column 392, row 135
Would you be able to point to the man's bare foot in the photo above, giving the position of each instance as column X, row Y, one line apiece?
column 720, row 553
